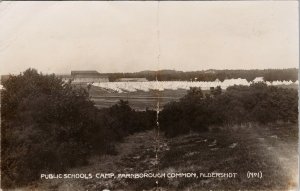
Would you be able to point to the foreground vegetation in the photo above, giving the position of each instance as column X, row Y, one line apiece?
column 51, row 126
column 237, row 105
column 271, row 149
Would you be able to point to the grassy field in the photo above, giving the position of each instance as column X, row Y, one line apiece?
column 272, row 149
column 138, row 100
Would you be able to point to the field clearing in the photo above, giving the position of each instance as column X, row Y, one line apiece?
column 139, row 100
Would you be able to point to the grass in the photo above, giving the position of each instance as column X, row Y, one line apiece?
column 138, row 100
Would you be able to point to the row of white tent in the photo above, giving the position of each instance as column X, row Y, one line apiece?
column 174, row 85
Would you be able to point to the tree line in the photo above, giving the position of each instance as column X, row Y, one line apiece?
column 211, row 75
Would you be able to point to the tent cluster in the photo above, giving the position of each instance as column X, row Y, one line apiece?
column 174, row 85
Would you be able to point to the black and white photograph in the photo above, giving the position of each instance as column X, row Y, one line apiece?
column 149, row 95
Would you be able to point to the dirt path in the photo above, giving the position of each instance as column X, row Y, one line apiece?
column 135, row 154
column 272, row 150
column 282, row 147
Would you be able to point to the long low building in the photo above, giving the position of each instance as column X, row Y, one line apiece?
column 88, row 77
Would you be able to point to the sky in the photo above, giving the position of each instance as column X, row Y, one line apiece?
column 57, row 37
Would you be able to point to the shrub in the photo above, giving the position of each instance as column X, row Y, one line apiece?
column 51, row 126
column 238, row 104
column 43, row 125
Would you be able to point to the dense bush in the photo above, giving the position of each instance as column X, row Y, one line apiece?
column 238, row 104
column 50, row 126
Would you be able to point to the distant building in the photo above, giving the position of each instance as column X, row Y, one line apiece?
column 132, row 80
column 88, row 77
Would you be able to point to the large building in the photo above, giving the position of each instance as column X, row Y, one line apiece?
column 88, row 77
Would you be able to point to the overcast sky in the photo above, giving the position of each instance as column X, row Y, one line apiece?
column 130, row 36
